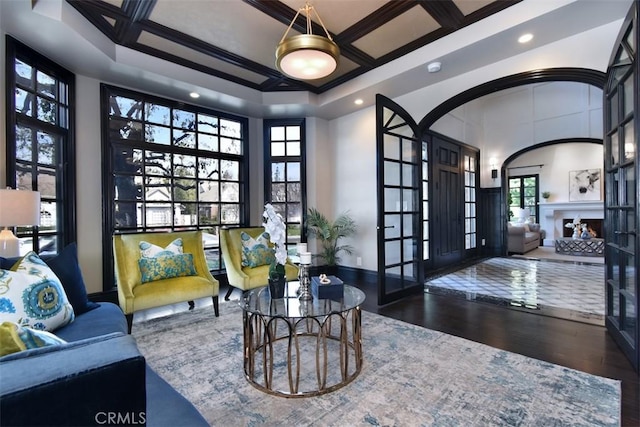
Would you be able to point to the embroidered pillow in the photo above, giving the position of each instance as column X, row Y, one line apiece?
column 149, row 250
column 256, row 252
column 166, row 267
column 15, row 338
column 33, row 296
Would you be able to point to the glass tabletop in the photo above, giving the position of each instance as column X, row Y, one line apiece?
column 259, row 301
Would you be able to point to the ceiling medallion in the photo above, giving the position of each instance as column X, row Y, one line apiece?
column 307, row 56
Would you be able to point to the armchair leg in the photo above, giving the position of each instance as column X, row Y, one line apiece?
column 215, row 306
column 228, row 294
column 191, row 305
column 129, row 322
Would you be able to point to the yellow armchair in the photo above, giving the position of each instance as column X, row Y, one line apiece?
column 134, row 296
column 245, row 278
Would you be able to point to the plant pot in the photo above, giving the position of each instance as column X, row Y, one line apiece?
column 277, row 286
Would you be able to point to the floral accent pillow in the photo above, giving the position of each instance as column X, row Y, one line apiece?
column 256, row 252
column 166, row 267
column 149, row 250
column 31, row 295
column 15, row 338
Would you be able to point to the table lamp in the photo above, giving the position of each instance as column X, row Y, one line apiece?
column 17, row 208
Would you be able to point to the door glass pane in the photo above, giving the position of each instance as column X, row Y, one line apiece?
column 391, row 226
column 391, row 147
column 629, row 141
column 391, row 173
column 392, row 252
column 391, row 200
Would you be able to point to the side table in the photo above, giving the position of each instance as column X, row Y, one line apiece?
column 296, row 348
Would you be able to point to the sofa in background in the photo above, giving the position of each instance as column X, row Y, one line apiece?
column 96, row 376
column 522, row 238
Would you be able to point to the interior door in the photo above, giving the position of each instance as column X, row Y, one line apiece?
column 399, row 163
column 622, row 129
column 447, row 203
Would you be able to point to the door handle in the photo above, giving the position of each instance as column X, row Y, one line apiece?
column 386, row 226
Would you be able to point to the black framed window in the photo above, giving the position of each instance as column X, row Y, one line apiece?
column 523, row 194
column 40, row 144
column 285, row 185
column 470, row 219
column 171, row 167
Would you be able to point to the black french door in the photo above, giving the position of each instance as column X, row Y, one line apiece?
column 622, row 130
column 401, row 155
column 447, row 203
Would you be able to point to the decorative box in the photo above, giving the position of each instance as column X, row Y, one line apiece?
column 333, row 290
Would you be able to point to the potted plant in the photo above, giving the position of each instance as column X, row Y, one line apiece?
column 329, row 233
column 275, row 226
column 546, row 195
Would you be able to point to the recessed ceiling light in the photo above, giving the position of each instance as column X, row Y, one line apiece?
column 525, row 38
column 358, row 101
column 194, row 95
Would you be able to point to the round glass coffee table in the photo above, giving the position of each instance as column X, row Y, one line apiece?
column 296, row 348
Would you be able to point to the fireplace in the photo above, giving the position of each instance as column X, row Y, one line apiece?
column 594, row 224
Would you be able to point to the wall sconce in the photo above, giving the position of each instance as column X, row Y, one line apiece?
column 17, row 207
column 494, row 168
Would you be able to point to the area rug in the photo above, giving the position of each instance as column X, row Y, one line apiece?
column 411, row 376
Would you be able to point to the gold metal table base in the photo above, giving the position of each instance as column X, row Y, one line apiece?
column 296, row 357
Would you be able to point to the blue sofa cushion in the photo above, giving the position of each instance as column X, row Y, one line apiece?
column 105, row 319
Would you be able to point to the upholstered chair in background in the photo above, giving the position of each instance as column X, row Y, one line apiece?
column 238, row 275
column 150, row 275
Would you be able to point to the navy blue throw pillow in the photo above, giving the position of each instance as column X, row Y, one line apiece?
column 65, row 266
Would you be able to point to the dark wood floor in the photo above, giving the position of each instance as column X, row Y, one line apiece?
column 575, row 345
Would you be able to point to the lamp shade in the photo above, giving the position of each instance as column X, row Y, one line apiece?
column 19, row 207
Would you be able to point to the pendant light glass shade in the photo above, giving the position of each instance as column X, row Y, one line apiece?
column 307, row 56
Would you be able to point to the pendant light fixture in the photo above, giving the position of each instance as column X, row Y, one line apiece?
column 307, row 56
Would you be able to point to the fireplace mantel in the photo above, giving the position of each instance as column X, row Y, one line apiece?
column 548, row 210
column 553, row 214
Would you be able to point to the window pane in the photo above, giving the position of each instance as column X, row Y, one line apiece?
column 47, row 110
column 229, row 128
column 231, row 146
column 23, row 102
column 157, row 134
column 208, row 168
column 277, row 172
column 230, row 170
column 158, row 114
column 46, row 85
column 277, row 133
column 184, row 119
column 293, row 171
column 23, row 144
column 157, row 163
column 184, row 139
column 207, row 124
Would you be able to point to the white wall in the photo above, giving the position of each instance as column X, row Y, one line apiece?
column 354, row 135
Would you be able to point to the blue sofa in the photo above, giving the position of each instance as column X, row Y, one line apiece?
column 99, row 377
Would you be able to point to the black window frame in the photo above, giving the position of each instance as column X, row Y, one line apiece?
column 535, row 213
column 269, row 160
column 172, row 149
column 64, row 163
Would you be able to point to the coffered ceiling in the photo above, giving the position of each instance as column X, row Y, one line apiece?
column 236, row 39
column 225, row 49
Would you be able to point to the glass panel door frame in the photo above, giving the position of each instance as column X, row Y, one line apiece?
column 401, row 158
column 622, row 170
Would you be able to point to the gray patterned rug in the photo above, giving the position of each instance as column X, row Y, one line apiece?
column 411, row 376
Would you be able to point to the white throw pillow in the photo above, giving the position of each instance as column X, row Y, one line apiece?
column 149, row 250
column 32, row 296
